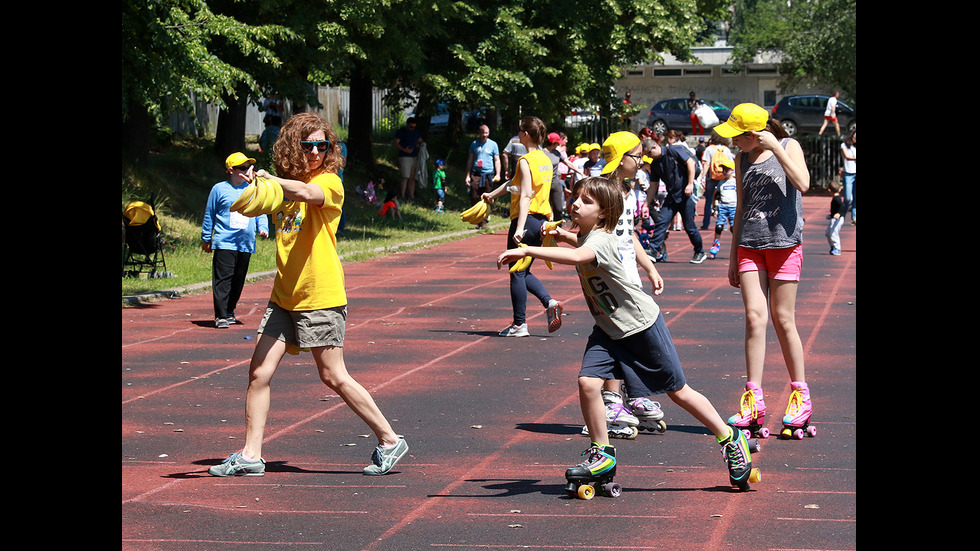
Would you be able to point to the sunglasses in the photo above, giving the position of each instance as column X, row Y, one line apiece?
column 244, row 167
column 320, row 145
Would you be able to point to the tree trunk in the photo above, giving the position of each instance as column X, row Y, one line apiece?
column 361, row 124
column 230, row 134
column 136, row 136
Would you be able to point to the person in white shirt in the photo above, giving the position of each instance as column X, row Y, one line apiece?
column 830, row 115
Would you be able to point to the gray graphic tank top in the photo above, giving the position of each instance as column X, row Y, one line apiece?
column 772, row 212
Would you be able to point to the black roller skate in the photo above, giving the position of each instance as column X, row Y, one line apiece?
column 597, row 470
column 737, row 450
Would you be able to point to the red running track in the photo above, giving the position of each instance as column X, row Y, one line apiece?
column 492, row 423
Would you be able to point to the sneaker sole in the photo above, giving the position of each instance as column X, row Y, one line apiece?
column 556, row 320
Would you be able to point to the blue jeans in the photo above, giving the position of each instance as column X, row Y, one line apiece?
column 850, row 193
column 664, row 217
column 524, row 282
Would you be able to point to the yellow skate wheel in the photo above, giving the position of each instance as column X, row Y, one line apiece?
column 661, row 427
column 755, row 476
column 586, row 492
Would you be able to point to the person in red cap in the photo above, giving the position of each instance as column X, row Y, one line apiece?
column 554, row 151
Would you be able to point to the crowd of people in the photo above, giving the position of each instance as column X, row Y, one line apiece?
column 619, row 200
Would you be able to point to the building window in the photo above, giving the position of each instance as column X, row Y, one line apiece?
column 699, row 72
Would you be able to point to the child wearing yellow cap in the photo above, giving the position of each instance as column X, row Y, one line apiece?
column 767, row 257
column 725, row 199
column 230, row 238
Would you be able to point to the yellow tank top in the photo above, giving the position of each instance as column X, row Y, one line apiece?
column 309, row 274
column 541, row 174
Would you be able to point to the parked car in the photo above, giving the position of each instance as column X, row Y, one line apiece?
column 579, row 116
column 674, row 114
column 804, row 114
column 440, row 119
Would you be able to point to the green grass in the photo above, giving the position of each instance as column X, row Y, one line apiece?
column 181, row 174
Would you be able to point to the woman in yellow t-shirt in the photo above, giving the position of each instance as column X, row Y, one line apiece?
column 308, row 306
column 529, row 210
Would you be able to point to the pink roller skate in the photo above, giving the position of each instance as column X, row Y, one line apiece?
column 796, row 422
column 751, row 414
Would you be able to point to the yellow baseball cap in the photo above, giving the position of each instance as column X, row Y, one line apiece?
column 727, row 163
column 746, row 117
column 236, row 159
column 615, row 146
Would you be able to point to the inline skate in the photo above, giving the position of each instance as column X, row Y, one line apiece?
column 620, row 422
column 715, row 247
column 649, row 415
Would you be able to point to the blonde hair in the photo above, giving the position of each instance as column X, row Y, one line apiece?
column 607, row 194
column 290, row 160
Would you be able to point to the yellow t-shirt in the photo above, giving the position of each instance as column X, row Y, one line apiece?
column 541, row 174
column 309, row 275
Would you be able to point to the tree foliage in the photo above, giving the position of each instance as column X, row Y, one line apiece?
column 817, row 39
column 522, row 56
column 168, row 51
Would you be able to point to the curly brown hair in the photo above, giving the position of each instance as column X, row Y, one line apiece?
column 290, row 159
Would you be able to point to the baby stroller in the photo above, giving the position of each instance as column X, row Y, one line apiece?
column 142, row 242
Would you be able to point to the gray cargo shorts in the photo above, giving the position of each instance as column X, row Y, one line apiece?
column 305, row 328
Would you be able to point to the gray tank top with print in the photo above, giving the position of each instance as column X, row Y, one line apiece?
column 772, row 214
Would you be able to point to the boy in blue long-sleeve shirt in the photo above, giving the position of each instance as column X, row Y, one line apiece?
column 230, row 236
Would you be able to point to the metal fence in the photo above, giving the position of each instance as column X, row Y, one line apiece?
column 823, row 158
column 336, row 109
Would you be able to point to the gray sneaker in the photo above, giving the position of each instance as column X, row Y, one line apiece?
column 383, row 460
column 235, row 465
column 698, row 257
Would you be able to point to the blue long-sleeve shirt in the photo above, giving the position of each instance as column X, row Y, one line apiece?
column 227, row 230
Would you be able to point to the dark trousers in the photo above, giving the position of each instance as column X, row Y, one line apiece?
column 709, row 199
column 228, row 271
column 524, row 282
column 666, row 216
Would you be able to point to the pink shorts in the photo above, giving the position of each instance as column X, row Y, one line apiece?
column 785, row 264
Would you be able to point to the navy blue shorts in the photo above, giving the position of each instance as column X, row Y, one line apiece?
column 646, row 362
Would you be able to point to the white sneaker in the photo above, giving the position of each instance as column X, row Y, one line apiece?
column 515, row 331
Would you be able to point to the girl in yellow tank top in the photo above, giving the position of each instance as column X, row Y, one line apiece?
column 529, row 210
